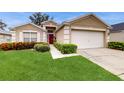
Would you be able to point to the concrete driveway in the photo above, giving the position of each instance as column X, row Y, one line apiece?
column 109, row 59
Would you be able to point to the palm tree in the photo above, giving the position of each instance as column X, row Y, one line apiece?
column 38, row 17
column 2, row 25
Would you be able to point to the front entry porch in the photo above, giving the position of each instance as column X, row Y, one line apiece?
column 50, row 34
column 50, row 38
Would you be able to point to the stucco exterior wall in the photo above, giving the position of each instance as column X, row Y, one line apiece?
column 117, row 37
column 67, row 34
column 60, row 35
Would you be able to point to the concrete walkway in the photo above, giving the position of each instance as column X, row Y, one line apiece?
column 57, row 54
column 110, row 59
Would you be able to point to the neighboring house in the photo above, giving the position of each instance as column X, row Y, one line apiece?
column 30, row 32
column 86, row 31
column 117, row 32
column 5, row 37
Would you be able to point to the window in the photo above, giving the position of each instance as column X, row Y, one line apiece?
column 8, row 38
column 33, row 36
column 30, row 36
column 26, row 36
column 1, row 38
column 50, row 31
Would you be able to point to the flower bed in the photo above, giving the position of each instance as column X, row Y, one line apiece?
column 19, row 45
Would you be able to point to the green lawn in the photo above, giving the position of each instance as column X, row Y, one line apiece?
column 32, row 65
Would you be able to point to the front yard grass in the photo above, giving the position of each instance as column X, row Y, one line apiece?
column 32, row 65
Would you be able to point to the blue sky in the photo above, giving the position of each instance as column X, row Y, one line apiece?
column 15, row 18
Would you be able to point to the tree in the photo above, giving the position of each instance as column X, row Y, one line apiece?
column 38, row 17
column 2, row 25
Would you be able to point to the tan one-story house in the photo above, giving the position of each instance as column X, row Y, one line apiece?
column 5, row 36
column 117, row 32
column 86, row 31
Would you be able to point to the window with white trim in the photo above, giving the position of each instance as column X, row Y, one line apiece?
column 30, row 36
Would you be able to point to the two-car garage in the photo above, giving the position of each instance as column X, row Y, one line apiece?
column 87, row 39
column 85, row 31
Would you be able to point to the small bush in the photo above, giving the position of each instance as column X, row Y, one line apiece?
column 19, row 45
column 41, row 48
column 58, row 45
column 44, row 43
column 66, row 48
column 116, row 45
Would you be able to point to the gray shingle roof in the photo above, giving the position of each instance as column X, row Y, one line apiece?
column 4, row 32
column 116, row 28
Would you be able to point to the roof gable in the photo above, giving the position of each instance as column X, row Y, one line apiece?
column 49, row 22
column 69, row 22
column 90, row 21
column 27, row 24
column 87, row 16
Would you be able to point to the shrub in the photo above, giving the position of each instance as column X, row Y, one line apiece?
column 58, row 45
column 19, row 45
column 66, row 48
column 5, row 46
column 44, row 43
column 116, row 45
column 41, row 48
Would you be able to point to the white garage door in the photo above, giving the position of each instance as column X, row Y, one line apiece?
column 87, row 39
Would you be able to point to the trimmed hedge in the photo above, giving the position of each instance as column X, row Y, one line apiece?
column 19, row 45
column 66, row 48
column 58, row 45
column 116, row 45
column 41, row 47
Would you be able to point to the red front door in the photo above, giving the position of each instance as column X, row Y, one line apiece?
column 51, row 38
